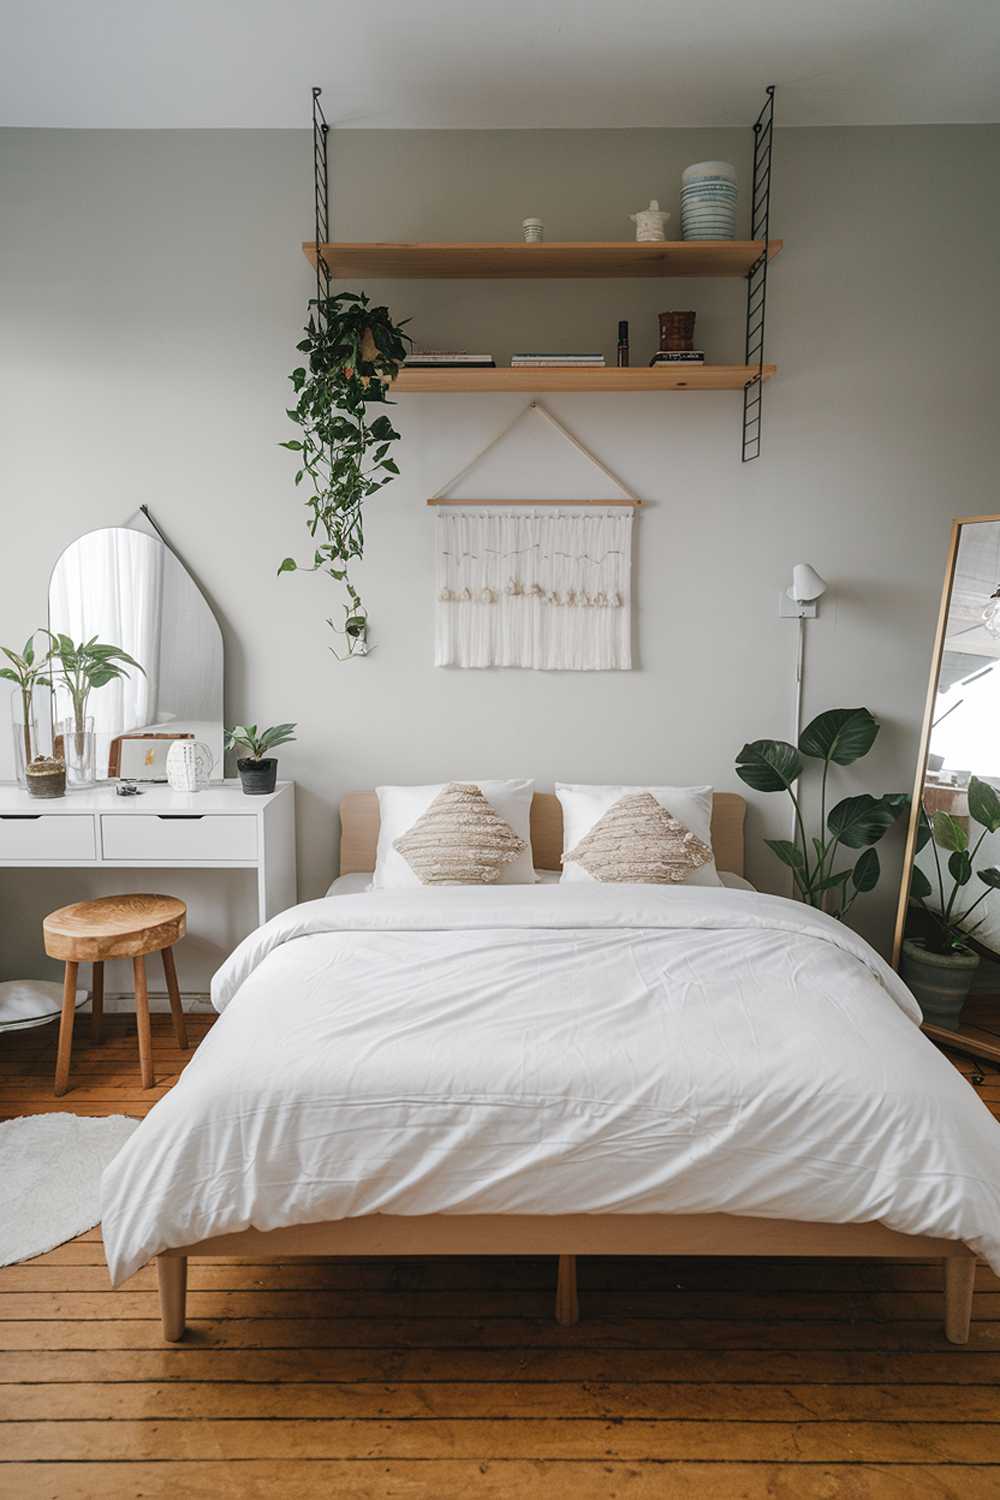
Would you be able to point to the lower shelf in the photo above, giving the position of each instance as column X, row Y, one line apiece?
column 658, row 378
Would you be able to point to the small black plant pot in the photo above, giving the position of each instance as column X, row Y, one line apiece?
column 258, row 776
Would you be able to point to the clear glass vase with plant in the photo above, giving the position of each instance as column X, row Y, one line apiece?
column 28, row 670
column 81, row 668
column 838, row 737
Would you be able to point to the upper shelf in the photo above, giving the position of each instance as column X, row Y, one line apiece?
column 628, row 258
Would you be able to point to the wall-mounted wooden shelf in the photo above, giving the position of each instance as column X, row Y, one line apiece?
column 548, row 378
column 571, row 259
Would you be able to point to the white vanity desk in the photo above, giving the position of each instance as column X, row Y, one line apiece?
column 217, row 829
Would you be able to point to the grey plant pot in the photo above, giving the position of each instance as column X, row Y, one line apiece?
column 940, row 981
column 258, row 776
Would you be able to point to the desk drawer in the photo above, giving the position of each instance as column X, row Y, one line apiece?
column 47, row 836
column 152, row 836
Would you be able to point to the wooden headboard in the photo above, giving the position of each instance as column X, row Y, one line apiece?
column 359, row 831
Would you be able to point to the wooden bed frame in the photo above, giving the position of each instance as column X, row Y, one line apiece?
column 569, row 1235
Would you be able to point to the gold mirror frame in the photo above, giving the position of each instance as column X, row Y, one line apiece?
column 956, row 1040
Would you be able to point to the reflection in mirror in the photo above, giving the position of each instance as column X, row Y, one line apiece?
column 129, row 590
column 950, row 909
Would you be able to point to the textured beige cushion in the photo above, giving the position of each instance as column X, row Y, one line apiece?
column 638, row 841
column 459, row 840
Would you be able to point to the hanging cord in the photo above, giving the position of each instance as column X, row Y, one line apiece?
column 630, row 498
column 800, row 652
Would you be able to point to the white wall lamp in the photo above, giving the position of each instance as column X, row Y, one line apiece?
column 799, row 603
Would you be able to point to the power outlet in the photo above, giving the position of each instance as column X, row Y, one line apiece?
column 791, row 609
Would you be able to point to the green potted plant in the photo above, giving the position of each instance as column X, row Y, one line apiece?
column 838, row 737
column 81, row 668
column 41, row 774
column 354, row 352
column 258, row 771
column 940, row 965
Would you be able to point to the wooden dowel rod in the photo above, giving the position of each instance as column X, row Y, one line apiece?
column 630, row 504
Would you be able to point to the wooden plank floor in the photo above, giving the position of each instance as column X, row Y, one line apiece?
column 729, row 1380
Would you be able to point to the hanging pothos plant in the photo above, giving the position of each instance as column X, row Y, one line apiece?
column 354, row 351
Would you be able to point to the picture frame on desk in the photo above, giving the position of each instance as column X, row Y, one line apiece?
column 142, row 755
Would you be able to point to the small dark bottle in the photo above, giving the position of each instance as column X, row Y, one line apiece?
column 623, row 345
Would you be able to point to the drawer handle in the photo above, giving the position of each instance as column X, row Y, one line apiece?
column 180, row 817
column 20, row 817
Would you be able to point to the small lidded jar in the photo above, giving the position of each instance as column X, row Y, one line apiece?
column 533, row 231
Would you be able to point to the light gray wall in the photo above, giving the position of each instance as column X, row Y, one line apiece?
column 152, row 291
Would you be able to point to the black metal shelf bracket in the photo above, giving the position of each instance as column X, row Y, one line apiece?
column 321, row 199
column 760, row 215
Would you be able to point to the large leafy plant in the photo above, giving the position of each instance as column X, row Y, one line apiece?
column 84, row 666
column 946, row 929
column 838, row 737
column 354, row 351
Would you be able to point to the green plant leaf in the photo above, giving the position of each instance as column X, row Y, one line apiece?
column 924, row 832
column 949, row 833
column 866, row 872
column 920, row 886
column 769, row 765
column 990, row 876
column 960, row 866
column 841, row 735
column 984, row 804
column 790, row 854
column 857, row 821
column 289, row 565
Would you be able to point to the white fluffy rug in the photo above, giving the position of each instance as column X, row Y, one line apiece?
column 50, row 1178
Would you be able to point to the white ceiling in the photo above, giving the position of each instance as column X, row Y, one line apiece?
column 467, row 64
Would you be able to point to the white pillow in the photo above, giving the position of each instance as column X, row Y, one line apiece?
column 583, row 806
column 400, row 807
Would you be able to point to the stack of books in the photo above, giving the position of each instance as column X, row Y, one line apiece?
column 434, row 359
column 679, row 357
column 574, row 361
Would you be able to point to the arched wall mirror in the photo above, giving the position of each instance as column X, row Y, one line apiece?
column 130, row 590
column 948, row 902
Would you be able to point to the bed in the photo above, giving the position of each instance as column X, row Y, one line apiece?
column 792, row 1109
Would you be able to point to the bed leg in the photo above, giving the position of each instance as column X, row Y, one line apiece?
column 567, row 1306
column 172, row 1271
column 959, row 1281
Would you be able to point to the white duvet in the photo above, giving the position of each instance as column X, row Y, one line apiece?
column 557, row 1049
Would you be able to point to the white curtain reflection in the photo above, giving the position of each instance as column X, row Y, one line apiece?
column 110, row 584
column 966, row 731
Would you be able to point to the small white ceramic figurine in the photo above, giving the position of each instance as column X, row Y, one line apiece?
column 649, row 222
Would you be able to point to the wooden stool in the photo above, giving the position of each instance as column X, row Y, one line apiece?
column 116, row 927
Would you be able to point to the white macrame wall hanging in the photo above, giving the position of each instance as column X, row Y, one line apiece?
column 529, row 583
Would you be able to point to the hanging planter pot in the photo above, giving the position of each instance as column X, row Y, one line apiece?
column 354, row 352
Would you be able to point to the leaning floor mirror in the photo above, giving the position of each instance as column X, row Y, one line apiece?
column 124, row 592
column 947, row 942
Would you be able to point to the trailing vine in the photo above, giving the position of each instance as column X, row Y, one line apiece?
column 354, row 351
